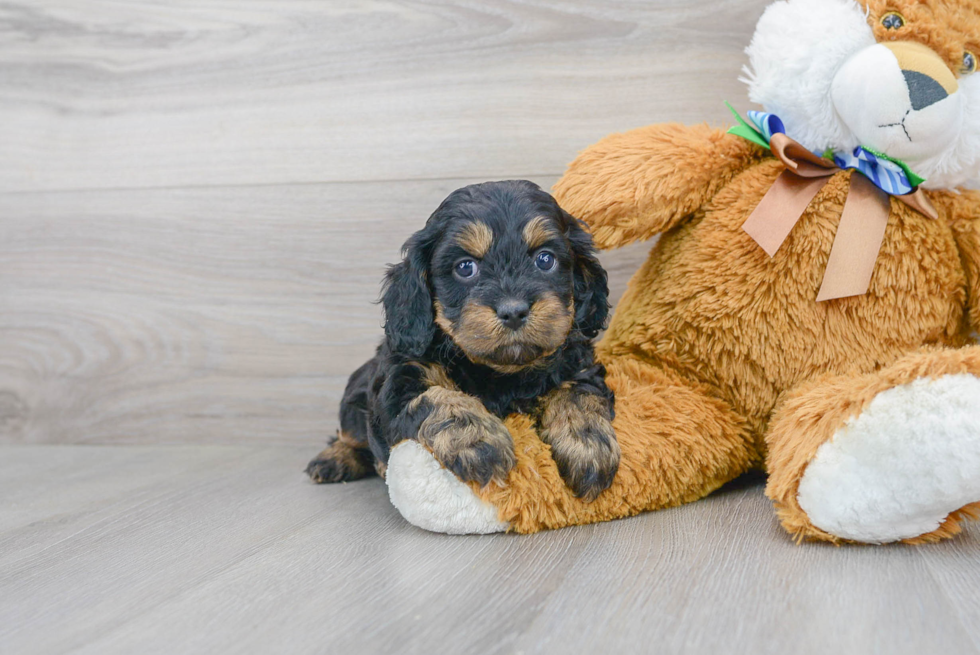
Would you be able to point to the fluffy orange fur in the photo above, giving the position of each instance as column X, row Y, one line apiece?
column 948, row 27
column 720, row 357
column 680, row 444
column 963, row 211
column 620, row 188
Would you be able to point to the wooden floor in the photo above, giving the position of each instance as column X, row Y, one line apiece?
column 207, row 549
column 197, row 201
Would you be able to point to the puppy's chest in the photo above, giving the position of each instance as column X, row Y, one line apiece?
column 506, row 395
column 503, row 397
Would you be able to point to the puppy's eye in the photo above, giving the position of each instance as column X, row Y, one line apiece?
column 969, row 63
column 466, row 269
column 893, row 21
column 545, row 261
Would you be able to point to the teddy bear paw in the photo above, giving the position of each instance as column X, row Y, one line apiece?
column 898, row 470
column 431, row 497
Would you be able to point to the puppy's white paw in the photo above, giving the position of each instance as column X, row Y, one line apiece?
column 432, row 498
column 897, row 470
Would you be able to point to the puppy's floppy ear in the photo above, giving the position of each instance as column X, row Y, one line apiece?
column 409, row 318
column 591, row 286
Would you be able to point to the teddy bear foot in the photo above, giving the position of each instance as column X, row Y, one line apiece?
column 903, row 468
column 429, row 496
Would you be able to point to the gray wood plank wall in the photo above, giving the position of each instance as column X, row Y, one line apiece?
column 197, row 200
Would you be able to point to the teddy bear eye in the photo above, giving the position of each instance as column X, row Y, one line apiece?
column 893, row 21
column 969, row 63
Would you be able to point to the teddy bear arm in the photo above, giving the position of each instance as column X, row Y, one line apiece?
column 631, row 186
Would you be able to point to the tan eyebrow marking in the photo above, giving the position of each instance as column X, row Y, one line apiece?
column 538, row 231
column 475, row 238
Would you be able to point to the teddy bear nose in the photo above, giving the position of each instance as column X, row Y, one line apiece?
column 513, row 313
column 928, row 78
column 923, row 90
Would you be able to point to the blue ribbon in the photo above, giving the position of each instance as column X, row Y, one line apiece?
column 888, row 175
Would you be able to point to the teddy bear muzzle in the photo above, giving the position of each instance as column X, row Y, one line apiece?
column 899, row 98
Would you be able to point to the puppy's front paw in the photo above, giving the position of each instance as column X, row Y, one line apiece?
column 468, row 440
column 578, row 428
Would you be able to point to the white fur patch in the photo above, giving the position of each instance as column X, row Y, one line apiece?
column 797, row 49
column 431, row 497
column 898, row 469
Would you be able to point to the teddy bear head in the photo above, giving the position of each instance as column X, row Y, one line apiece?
column 894, row 76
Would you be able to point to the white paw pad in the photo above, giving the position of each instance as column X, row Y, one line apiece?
column 897, row 470
column 431, row 497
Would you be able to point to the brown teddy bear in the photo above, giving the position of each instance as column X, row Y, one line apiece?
column 809, row 306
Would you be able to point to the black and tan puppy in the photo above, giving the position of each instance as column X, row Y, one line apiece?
column 491, row 313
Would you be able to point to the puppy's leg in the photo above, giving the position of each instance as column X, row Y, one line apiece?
column 342, row 460
column 576, row 421
column 419, row 401
column 347, row 456
column 465, row 437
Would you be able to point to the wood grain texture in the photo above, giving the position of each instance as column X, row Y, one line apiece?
column 224, row 315
column 108, row 94
column 197, row 200
column 196, row 549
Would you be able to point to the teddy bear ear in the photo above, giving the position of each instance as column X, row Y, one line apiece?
column 591, row 288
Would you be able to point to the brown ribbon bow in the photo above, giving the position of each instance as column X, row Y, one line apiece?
column 862, row 224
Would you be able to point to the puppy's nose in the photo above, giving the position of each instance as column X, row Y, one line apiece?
column 513, row 313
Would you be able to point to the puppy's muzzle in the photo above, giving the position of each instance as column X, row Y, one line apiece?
column 514, row 334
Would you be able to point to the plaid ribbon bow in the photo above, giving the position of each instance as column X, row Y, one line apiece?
column 893, row 176
column 864, row 218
